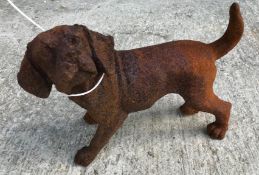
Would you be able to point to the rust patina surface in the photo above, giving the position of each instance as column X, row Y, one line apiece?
column 73, row 58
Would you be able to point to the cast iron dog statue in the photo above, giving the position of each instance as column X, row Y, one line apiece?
column 73, row 58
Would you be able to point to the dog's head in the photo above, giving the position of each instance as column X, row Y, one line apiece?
column 67, row 56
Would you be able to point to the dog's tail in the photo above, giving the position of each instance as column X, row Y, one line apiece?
column 232, row 35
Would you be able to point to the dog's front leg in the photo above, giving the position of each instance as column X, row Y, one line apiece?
column 103, row 133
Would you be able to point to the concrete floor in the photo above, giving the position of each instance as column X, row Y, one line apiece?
column 41, row 136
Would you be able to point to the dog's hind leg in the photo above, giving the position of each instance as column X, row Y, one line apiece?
column 103, row 133
column 221, row 109
column 209, row 102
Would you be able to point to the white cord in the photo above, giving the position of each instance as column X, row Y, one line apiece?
column 33, row 22
column 87, row 92
column 23, row 14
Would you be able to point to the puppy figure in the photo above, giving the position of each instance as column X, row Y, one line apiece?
column 74, row 59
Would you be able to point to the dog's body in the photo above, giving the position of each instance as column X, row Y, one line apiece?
column 73, row 57
column 152, row 72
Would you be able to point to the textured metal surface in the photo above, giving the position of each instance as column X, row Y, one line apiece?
column 156, row 141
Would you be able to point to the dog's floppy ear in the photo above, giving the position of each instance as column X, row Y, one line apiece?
column 31, row 80
column 103, row 46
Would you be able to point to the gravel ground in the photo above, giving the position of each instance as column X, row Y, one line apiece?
column 42, row 136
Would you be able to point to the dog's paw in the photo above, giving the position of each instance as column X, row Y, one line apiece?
column 84, row 157
column 217, row 131
column 89, row 120
column 186, row 110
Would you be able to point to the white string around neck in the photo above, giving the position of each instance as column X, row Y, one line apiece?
column 41, row 28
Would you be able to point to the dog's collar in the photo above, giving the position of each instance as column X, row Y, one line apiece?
column 89, row 91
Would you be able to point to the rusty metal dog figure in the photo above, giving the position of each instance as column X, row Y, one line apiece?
column 73, row 58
